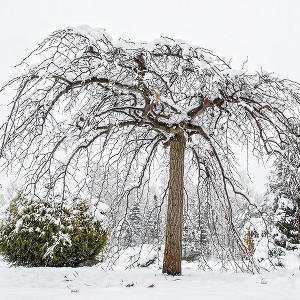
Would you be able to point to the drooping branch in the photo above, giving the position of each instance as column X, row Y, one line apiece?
column 94, row 105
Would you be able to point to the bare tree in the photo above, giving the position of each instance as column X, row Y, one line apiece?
column 89, row 104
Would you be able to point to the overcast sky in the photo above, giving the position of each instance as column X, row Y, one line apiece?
column 265, row 31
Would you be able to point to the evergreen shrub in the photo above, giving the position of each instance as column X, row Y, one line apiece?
column 35, row 233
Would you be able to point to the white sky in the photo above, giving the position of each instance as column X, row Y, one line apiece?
column 265, row 31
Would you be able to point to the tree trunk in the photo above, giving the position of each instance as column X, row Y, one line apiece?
column 173, row 247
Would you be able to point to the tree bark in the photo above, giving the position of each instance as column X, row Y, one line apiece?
column 173, row 246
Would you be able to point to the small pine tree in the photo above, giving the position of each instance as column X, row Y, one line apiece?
column 152, row 222
column 287, row 222
column 132, row 227
column 194, row 235
column 285, row 188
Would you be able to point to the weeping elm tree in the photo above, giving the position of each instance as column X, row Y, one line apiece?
column 87, row 104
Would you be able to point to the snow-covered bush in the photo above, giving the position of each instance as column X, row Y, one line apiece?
column 259, row 235
column 272, row 235
column 37, row 233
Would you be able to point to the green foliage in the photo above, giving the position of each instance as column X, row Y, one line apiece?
column 287, row 225
column 284, row 208
column 50, row 234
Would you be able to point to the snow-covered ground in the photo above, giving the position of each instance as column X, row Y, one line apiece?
column 96, row 283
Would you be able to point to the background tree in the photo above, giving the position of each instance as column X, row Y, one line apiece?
column 85, row 102
column 284, row 189
column 133, row 226
column 152, row 222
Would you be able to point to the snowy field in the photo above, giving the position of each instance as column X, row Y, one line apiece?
column 145, row 283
